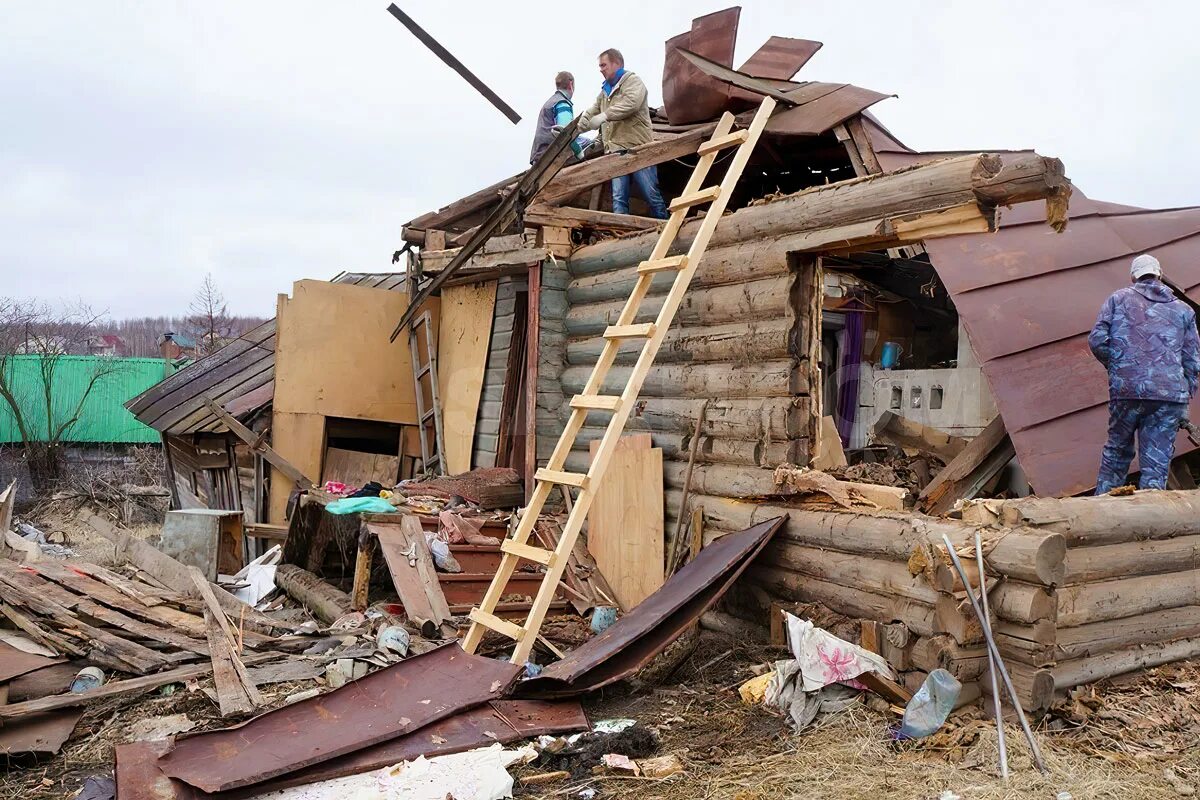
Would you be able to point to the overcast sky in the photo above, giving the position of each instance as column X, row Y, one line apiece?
column 147, row 143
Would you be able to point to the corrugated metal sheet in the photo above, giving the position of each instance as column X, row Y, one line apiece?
column 103, row 417
column 1028, row 298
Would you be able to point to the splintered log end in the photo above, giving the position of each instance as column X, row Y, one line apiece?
column 1057, row 206
column 1016, row 178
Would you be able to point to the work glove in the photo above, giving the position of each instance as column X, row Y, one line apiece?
column 556, row 130
column 596, row 121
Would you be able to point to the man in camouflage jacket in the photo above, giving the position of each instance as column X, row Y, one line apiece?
column 1146, row 339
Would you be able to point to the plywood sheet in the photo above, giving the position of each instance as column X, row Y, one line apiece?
column 625, row 523
column 463, row 339
column 357, row 469
column 300, row 438
column 333, row 357
column 411, row 567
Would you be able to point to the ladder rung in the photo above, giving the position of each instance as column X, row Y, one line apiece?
column 527, row 552
column 662, row 264
column 696, row 198
column 509, row 629
column 642, row 330
column 721, row 142
column 565, row 478
column 596, row 402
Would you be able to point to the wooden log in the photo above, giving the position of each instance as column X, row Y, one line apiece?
column 323, row 600
column 1035, row 686
column 1023, row 554
column 1023, row 602
column 745, row 340
column 359, row 595
column 858, row 571
column 567, row 216
column 763, row 379
column 734, row 627
column 957, row 619
column 1105, row 600
column 753, row 300
column 1128, row 632
column 736, row 263
column 846, row 600
column 898, row 430
column 1094, row 668
column 943, row 652
column 1149, row 557
column 958, row 181
column 1087, row 521
column 712, row 450
column 756, row 418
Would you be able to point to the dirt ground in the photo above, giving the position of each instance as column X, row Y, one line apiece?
column 1109, row 741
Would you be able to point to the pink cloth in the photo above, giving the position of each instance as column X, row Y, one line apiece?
column 457, row 529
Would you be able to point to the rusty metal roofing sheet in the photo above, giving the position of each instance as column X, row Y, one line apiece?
column 391, row 702
column 1028, row 297
column 819, row 115
column 780, row 57
column 139, row 776
column 14, row 662
column 660, row 619
column 688, row 94
column 43, row 734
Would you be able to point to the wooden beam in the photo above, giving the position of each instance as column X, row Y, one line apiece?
column 567, row 217
column 454, row 64
column 594, row 172
column 246, row 435
column 236, row 693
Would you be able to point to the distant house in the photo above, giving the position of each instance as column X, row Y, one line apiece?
column 108, row 344
column 174, row 346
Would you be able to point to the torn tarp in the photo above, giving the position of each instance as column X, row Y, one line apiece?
column 639, row 636
column 382, row 706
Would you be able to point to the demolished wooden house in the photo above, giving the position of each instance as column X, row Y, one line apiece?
column 851, row 277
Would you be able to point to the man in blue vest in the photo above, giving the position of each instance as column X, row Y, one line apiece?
column 554, row 114
column 1146, row 338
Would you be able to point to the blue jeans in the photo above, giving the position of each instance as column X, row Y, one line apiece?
column 1156, row 424
column 647, row 185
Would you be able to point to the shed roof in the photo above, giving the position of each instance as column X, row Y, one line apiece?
column 178, row 405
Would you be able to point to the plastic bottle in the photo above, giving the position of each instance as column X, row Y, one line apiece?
column 930, row 706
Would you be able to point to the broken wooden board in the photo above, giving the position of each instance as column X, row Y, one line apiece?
column 464, row 335
column 966, row 475
column 829, row 452
column 236, row 693
column 411, row 567
column 357, row 469
column 903, row 432
column 626, row 521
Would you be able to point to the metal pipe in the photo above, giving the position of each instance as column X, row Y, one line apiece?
column 995, row 653
column 987, row 626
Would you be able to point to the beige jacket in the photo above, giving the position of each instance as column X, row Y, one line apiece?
column 626, row 120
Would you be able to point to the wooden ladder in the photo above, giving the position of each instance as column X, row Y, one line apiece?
column 425, row 383
column 651, row 333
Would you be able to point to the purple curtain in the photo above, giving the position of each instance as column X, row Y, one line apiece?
column 848, row 373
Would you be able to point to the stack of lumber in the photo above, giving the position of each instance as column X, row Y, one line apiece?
column 1129, row 596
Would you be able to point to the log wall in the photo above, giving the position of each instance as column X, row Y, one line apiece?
column 737, row 343
column 487, row 426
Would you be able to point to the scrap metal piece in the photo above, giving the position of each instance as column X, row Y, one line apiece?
column 688, row 94
column 139, row 776
column 42, row 734
column 454, row 64
column 639, row 636
column 383, row 705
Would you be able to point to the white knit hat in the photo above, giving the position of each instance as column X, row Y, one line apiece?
column 1145, row 265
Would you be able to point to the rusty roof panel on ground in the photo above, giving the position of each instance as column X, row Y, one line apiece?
column 139, row 776
column 384, row 705
column 643, row 633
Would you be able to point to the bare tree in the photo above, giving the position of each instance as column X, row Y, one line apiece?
column 208, row 318
column 35, row 340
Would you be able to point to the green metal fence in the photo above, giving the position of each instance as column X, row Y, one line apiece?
column 102, row 418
